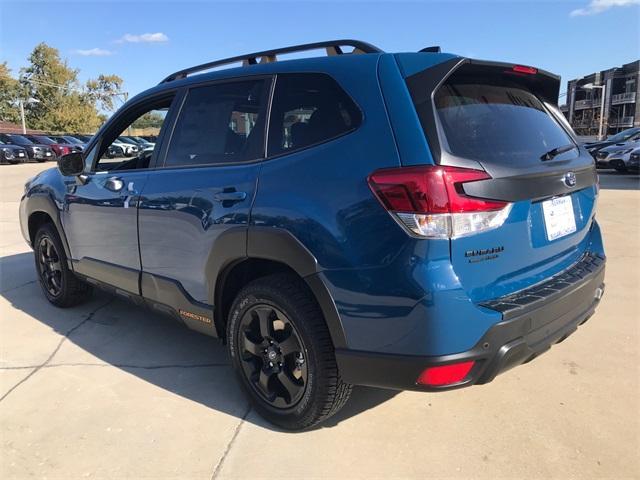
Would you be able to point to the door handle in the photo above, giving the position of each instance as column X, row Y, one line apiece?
column 131, row 189
column 230, row 197
column 114, row 184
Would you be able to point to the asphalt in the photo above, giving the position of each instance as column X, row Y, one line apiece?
column 109, row 390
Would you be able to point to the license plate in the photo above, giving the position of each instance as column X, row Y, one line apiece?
column 20, row 154
column 559, row 218
column 48, row 154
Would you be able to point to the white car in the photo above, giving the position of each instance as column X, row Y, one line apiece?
column 129, row 149
column 616, row 156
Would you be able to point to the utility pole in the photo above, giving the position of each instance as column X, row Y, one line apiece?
column 24, row 124
column 591, row 86
column 21, row 103
column 604, row 89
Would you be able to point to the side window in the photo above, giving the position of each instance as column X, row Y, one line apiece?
column 218, row 124
column 124, row 148
column 309, row 108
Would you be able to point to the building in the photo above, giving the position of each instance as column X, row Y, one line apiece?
column 621, row 101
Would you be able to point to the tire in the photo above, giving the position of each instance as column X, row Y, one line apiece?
column 319, row 392
column 59, row 284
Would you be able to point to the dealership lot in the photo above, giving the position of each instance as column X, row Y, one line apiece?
column 111, row 390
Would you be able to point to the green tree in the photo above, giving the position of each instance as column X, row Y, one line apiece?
column 62, row 105
column 104, row 89
column 9, row 94
column 149, row 120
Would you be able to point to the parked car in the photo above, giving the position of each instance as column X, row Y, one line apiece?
column 616, row 156
column 68, row 140
column 58, row 148
column 83, row 138
column 624, row 136
column 140, row 142
column 12, row 153
column 418, row 221
column 114, row 151
column 35, row 151
column 129, row 148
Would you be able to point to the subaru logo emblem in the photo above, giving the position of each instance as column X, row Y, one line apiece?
column 570, row 179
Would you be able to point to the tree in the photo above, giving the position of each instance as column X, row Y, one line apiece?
column 149, row 120
column 9, row 94
column 49, row 81
column 62, row 105
column 104, row 89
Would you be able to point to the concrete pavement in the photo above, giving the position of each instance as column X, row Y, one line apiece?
column 109, row 390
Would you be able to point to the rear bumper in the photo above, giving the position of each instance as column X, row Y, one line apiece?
column 532, row 321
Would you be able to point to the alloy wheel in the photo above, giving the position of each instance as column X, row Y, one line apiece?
column 50, row 266
column 272, row 356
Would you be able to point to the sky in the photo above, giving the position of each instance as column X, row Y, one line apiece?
column 144, row 41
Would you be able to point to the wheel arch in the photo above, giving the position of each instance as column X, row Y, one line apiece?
column 40, row 210
column 269, row 251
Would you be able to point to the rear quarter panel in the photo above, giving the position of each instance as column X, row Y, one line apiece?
column 320, row 194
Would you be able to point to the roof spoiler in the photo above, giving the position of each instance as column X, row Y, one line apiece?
column 543, row 83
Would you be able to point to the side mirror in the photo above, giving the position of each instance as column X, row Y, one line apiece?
column 71, row 164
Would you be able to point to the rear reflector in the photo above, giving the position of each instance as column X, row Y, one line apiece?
column 445, row 374
column 429, row 200
column 525, row 69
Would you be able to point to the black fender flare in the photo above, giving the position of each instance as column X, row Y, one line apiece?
column 278, row 245
column 41, row 202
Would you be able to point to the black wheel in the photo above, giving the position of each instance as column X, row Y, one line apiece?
column 282, row 353
column 61, row 287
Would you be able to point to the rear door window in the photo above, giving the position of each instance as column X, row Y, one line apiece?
column 218, row 124
column 497, row 121
column 309, row 108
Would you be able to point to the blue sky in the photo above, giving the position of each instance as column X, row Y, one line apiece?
column 144, row 41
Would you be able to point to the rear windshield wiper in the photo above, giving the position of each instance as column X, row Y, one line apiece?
column 557, row 151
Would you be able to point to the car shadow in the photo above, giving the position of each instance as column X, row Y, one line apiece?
column 612, row 180
column 149, row 345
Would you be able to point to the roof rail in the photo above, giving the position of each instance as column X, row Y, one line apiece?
column 332, row 47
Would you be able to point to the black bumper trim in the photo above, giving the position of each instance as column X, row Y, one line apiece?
column 533, row 320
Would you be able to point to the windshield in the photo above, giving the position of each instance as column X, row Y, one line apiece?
column 20, row 140
column 498, row 122
column 624, row 135
column 71, row 140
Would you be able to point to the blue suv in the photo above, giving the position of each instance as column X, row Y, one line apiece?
column 417, row 221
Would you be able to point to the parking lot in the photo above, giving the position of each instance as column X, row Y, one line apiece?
column 111, row 390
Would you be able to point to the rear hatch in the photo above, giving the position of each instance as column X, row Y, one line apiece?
column 502, row 119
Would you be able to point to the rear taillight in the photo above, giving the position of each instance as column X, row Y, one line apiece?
column 429, row 201
column 445, row 374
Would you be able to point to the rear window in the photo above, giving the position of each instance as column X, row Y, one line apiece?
column 309, row 108
column 496, row 120
column 221, row 123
